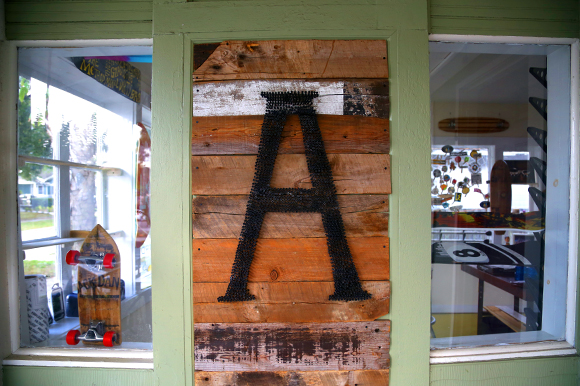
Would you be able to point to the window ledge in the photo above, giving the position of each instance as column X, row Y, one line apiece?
column 500, row 352
column 137, row 356
column 86, row 357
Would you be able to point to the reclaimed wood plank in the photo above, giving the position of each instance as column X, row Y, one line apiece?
column 352, row 173
column 361, row 97
column 259, row 312
column 217, row 217
column 241, row 135
column 293, row 378
column 288, row 292
column 302, row 59
column 288, row 346
column 292, row 260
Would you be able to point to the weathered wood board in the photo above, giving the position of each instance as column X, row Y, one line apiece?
column 241, row 135
column 285, row 346
column 287, row 292
column 351, row 97
column 304, row 259
column 293, row 378
column 352, row 173
column 295, row 59
column 298, row 302
column 223, row 217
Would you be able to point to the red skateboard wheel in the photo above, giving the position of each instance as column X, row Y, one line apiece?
column 109, row 338
column 72, row 337
column 72, row 257
column 109, row 260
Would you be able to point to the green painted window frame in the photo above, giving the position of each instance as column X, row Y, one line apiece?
column 177, row 26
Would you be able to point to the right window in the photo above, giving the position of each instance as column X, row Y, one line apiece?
column 500, row 193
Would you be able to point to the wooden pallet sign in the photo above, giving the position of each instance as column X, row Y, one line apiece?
column 290, row 186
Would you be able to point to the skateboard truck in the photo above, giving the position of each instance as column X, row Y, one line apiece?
column 107, row 260
column 95, row 334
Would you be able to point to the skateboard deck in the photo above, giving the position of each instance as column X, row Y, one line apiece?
column 99, row 289
column 143, row 169
column 473, row 125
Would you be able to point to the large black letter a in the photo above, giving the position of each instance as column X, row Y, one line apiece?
column 320, row 198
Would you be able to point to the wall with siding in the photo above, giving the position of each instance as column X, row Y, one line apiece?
column 78, row 19
column 539, row 18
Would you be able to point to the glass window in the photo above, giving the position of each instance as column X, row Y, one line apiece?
column 84, row 148
column 499, row 193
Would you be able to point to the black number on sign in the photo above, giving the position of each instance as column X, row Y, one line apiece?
column 466, row 253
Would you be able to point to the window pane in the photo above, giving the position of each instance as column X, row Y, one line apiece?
column 37, row 204
column 84, row 156
column 491, row 202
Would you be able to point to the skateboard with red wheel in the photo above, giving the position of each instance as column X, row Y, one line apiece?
column 99, row 290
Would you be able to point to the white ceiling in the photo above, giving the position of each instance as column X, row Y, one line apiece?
column 482, row 77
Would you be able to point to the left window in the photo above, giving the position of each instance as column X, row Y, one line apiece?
column 84, row 149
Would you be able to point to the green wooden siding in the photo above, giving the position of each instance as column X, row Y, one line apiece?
column 505, row 17
column 58, row 376
column 531, row 372
column 65, row 20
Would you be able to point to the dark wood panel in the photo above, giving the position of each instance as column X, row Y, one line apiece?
column 301, row 59
column 241, row 134
column 222, row 217
column 352, row 173
column 293, row 378
column 292, row 260
column 287, row 292
column 287, row 346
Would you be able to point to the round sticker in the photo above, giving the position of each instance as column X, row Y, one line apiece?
column 444, row 169
column 485, row 204
column 447, row 149
column 437, row 173
column 474, row 168
column 446, row 178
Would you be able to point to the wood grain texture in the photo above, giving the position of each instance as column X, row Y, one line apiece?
column 288, row 292
column 293, row 378
column 297, row 302
column 360, row 97
column 288, row 59
column 259, row 312
column 352, row 173
column 288, row 346
column 241, row 135
column 293, row 260
column 223, row 216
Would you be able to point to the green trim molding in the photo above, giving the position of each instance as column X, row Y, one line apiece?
column 57, row 376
